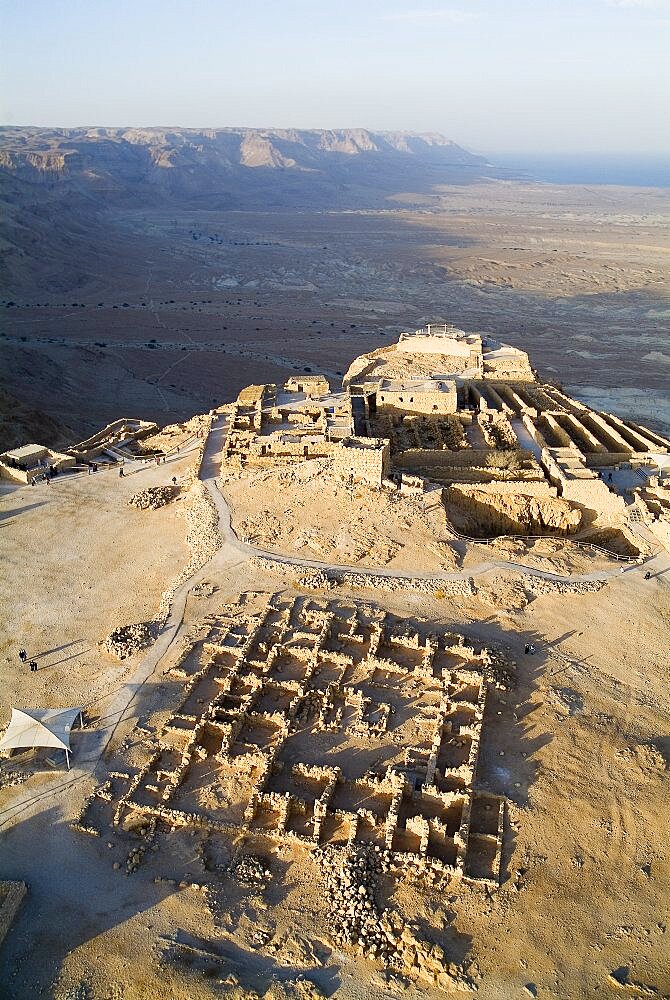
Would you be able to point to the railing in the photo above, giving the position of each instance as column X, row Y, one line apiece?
column 550, row 538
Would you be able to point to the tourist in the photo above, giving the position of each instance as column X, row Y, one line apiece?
column 121, row 473
column 33, row 666
column 647, row 575
column 23, row 656
column 174, row 480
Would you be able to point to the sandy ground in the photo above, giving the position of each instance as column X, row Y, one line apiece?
column 307, row 512
column 79, row 562
column 548, row 554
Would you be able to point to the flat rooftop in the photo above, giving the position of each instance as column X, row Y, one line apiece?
column 26, row 451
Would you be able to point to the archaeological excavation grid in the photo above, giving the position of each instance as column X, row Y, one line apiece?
column 319, row 723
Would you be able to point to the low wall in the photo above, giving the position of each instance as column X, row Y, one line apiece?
column 529, row 487
column 11, row 895
column 319, row 579
column 607, row 458
column 29, row 475
column 17, row 475
column 108, row 435
column 415, row 458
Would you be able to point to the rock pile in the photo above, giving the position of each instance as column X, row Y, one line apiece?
column 153, row 497
column 351, row 877
column 352, row 874
column 126, row 640
column 499, row 671
column 134, row 859
column 202, row 537
column 10, row 779
column 316, row 579
column 250, row 871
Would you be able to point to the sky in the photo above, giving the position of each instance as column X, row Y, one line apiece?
column 541, row 76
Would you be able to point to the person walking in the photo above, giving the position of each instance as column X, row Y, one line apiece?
column 33, row 666
column 121, row 472
column 23, row 656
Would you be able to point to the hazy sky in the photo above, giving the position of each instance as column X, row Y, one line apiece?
column 528, row 75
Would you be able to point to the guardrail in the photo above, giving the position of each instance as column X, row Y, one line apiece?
column 550, row 538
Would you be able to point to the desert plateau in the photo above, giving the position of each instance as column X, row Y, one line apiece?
column 335, row 537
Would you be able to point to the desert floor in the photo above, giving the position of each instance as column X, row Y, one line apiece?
column 176, row 313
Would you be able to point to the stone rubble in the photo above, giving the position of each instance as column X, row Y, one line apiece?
column 352, row 874
column 126, row 640
column 250, row 871
column 153, row 497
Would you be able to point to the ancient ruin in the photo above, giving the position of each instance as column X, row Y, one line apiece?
column 462, row 413
column 322, row 724
column 266, row 427
column 32, row 461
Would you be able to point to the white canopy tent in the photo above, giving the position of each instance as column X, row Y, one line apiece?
column 41, row 727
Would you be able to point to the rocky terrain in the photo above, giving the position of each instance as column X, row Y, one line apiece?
column 162, row 311
column 231, row 165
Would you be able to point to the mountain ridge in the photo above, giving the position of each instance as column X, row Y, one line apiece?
column 179, row 160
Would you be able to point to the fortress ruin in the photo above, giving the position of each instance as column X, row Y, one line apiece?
column 463, row 413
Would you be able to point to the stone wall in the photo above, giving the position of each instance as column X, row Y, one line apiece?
column 366, row 459
column 416, row 400
column 478, row 458
column 567, row 470
column 114, row 433
column 54, row 459
column 529, row 488
column 11, row 895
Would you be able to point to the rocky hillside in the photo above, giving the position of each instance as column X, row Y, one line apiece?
column 234, row 167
